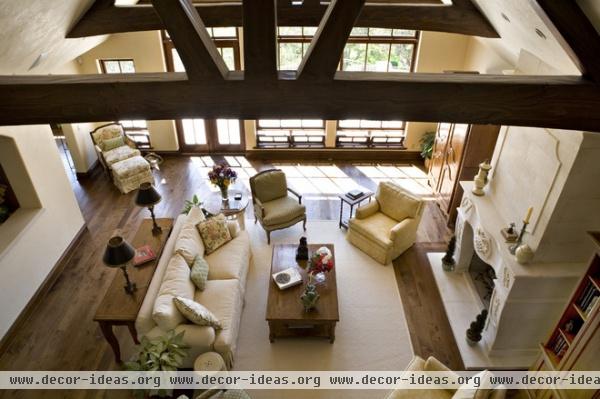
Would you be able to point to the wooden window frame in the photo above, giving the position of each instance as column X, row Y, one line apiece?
column 368, row 141
column 289, row 141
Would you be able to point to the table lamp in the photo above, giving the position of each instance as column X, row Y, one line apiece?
column 119, row 253
column 147, row 196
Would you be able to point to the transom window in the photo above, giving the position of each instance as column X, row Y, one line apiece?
column 363, row 133
column 137, row 130
column 290, row 133
column 225, row 39
column 367, row 49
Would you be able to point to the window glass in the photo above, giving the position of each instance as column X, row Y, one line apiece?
column 377, row 57
column 354, row 57
column 380, row 32
column 401, row 56
column 290, row 56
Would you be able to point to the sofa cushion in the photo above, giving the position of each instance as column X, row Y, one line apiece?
column 270, row 186
column 395, row 202
column 111, row 144
column 119, row 154
column 199, row 272
column 231, row 260
column 214, row 233
column 376, row 227
column 176, row 282
column 196, row 313
column 189, row 243
column 223, row 298
column 282, row 210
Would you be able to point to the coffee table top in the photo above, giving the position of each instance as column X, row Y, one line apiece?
column 285, row 304
column 214, row 204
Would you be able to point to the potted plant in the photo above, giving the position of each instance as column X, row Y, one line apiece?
column 448, row 261
column 427, row 141
column 222, row 176
column 189, row 204
column 164, row 353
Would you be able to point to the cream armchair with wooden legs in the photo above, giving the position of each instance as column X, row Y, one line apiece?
column 273, row 208
column 386, row 227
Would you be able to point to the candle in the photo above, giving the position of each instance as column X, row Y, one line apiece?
column 528, row 216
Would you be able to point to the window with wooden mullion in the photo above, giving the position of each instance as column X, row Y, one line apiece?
column 290, row 133
column 370, row 134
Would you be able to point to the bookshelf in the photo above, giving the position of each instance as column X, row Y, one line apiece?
column 574, row 341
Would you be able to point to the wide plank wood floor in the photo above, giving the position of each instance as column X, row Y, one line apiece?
column 62, row 336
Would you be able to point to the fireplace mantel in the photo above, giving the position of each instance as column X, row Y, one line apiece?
column 526, row 299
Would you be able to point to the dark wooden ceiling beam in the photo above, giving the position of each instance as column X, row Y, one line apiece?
column 554, row 102
column 194, row 45
column 461, row 17
column 260, row 39
column 325, row 50
column 575, row 32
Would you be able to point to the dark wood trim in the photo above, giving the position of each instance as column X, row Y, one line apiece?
column 87, row 174
column 42, row 290
column 336, row 154
column 564, row 102
column 260, row 39
column 460, row 17
column 195, row 46
column 323, row 55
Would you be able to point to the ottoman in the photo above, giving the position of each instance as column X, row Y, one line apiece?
column 129, row 173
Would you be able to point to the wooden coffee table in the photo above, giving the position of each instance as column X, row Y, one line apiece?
column 285, row 313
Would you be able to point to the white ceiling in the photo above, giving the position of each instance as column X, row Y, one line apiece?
column 29, row 28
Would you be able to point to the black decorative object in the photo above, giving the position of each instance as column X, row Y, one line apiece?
column 474, row 332
column 119, row 253
column 147, row 196
column 302, row 252
column 448, row 259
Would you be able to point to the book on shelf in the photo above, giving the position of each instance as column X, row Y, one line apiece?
column 143, row 255
column 591, row 305
column 588, row 294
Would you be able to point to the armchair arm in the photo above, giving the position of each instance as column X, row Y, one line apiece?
column 405, row 227
column 259, row 209
column 296, row 194
column 129, row 141
column 363, row 212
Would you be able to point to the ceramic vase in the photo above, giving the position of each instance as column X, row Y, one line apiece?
column 481, row 179
column 524, row 254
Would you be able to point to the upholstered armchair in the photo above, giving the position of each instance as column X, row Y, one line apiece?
column 273, row 208
column 113, row 145
column 386, row 227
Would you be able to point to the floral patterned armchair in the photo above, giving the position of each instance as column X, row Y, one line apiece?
column 113, row 145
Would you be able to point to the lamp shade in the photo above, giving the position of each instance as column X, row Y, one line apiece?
column 147, row 195
column 118, row 252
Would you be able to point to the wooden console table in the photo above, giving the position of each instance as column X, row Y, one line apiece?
column 119, row 308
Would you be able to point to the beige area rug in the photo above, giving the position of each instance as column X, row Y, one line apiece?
column 371, row 335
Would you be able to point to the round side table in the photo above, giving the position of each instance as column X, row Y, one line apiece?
column 233, row 209
column 208, row 362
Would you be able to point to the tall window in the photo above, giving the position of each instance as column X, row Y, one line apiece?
column 290, row 133
column 136, row 129
column 367, row 49
column 370, row 134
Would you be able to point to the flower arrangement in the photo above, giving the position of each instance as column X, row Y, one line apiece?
column 321, row 261
column 222, row 176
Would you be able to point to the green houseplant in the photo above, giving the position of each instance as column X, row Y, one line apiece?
column 164, row 353
column 426, row 142
column 189, row 204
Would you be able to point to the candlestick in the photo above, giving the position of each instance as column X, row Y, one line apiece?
column 513, row 248
column 528, row 216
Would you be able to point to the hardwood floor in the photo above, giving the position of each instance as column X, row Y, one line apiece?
column 62, row 336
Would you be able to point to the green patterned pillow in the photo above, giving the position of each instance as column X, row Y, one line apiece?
column 199, row 273
column 214, row 233
column 111, row 144
column 196, row 313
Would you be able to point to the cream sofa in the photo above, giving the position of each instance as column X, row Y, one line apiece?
column 432, row 364
column 223, row 295
column 386, row 227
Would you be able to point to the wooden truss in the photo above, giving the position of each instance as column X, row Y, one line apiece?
column 316, row 89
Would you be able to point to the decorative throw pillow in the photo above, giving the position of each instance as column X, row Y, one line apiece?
column 196, row 313
column 471, row 391
column 111, row 144
column 199, row 273
column 214, row 233
column 188, row 243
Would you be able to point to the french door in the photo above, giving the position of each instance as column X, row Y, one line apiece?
column 209, row 135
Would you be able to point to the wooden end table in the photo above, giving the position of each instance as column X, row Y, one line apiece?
column 344, row 198
column 285, row 313
column 121, row 309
